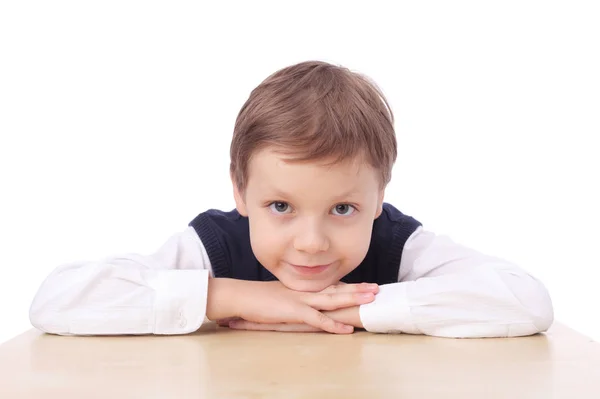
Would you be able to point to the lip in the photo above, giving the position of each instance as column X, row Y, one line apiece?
column 310, row 270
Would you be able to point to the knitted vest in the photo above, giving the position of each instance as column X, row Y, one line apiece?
column 226, row 237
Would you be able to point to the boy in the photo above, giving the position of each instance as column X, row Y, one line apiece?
column 311, row 155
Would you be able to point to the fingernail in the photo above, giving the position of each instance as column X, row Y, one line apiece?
column 348, row 328
column 373, row 286
column 366, row 295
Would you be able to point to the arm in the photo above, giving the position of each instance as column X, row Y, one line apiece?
column 170, row 292
column 163, row 293
column 448, row 290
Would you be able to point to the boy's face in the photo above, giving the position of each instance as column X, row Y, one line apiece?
column 310, row 225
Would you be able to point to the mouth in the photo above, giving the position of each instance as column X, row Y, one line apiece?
column 310, row 270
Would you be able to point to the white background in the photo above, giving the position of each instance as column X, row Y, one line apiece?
column 116, row 116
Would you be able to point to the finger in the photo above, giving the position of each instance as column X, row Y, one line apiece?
column 225, row 322
column 321, row 301
column 345, row 288
column 249, row 325
column 317, row 319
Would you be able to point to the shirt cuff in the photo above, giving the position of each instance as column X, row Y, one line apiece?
column 180, row 301
column 389, row 312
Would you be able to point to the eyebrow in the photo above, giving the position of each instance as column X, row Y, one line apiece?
column 283, row 194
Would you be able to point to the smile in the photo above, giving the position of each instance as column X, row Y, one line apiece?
column 310, row 270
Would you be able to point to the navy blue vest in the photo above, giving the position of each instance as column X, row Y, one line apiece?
column 226, row 237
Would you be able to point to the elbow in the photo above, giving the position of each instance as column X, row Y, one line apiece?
column 44, row 316
column 47, row 322
column 36, row 319
column 533, row 300
column 540, row 309
column 39, row 318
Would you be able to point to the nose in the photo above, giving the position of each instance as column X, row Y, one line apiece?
column 310, row 238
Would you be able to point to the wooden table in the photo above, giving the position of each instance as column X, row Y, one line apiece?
column 221, row 363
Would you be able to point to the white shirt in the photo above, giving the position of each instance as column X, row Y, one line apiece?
column 444, row 289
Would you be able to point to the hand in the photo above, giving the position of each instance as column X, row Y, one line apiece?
column 345, row 315
column 348, row 316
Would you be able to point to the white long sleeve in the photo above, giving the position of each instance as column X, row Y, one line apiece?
column 446, row 289
column 164, row 293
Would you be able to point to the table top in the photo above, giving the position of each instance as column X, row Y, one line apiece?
column 217, row 363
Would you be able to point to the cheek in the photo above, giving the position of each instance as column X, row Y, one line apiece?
column 353, row 244
column 265, row 245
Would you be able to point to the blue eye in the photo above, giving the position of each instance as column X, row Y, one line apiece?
column 282, row 208
column 344, row 209
column 279, row 207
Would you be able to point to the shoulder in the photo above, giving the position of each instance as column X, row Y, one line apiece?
column 392, row 214
column 222, row 226
column 217, row 216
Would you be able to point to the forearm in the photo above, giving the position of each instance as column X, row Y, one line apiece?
column 477, row 303
column 119, row 296
column 349, row 316
column 222, row 294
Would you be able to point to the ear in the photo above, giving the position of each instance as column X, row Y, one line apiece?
column 240, row 203
column 380, row 203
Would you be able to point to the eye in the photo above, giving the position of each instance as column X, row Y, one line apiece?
column 344, row 209
column 279, row 207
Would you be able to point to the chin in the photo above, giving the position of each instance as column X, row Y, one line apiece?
column 306, row 285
